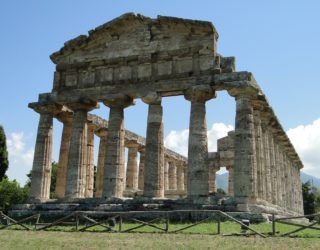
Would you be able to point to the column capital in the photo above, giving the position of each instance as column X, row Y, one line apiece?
column 83, row 104
column 132, row 144
column 243, row 92
column 122, row 101
column 200, row 93
column 152, row 98
column 47, row 108
column 101, row 132
column 65, row 116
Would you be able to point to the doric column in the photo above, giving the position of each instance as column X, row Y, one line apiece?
column 198, row 183
column 272, row 168
column 231, row 181
column 77, row 162
column 245, row 167
column 180, row 176
column 41, row 168
column 166, row 174
column 66, row 119
column 89, row 172
column 185, row 174
column 212, row 178
column 172, row 172
column 154, row 163
column 102, row 133
column 114, row 175
column 141, row 169
column 132, row 166
column 259, row 153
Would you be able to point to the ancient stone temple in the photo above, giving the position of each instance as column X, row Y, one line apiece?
column 134, row 57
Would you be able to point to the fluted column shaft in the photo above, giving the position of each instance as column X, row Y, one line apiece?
column 66, row 119
column 231, row 181
column 212, row 179
column 245, row 167
column 198, row 180
column 166, row 174
column 90, row 163
column 41, row 168
column 102, row 133
column 114, row 168
column 141, row 169
column 77, row 160
column 180, row 177
column 114, row 160
column 154, row 163
column 172, row 175
column 132, row 167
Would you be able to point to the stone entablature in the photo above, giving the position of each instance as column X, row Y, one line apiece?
column 138, row 57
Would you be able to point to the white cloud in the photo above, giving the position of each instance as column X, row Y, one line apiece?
column 178, row 140
column 306, row 140
column 20, row 157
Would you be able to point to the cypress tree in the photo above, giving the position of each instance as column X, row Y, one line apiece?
column 4, row 163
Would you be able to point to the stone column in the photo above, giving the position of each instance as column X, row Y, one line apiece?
column 231, row 181
column 154, row 163
column 102, row 133
column 245, row 167
column 114, row 175
column 66, row 119
column 141, row 169
column 166, row 174
column 273, row 169
column 90, row 162
column 212, row 179
column 259, row 153
column 198, row 182
column 132, row 166
column 41, row 168
column 172, row 175
column 185, row 174
column 77, row 162
column 180, row 177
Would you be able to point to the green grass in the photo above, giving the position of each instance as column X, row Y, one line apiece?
column 18, row 239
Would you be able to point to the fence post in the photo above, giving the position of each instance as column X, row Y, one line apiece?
column 120, row 223
column 273, row 226
column 167, row 222
column 219, row 225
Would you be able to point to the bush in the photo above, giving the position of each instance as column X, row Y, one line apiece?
column 11, row 193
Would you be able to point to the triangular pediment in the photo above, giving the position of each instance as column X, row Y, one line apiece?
column 133, row 35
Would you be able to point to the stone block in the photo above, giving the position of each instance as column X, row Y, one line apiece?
column 205, row 62
column 183, row 65
column 71, row 80
column 144, row 71
column 104, row 74
column 125, row 73
column 164, row 68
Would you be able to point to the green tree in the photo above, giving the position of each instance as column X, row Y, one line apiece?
column 308, row 195
column 4, row 163
column 11, row 193
column 221, row 191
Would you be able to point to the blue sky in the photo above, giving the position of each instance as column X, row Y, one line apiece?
column 278, row 41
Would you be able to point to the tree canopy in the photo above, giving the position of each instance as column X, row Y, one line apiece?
column 4, row 163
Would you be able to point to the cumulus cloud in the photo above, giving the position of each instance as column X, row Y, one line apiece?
column 178, row 140
column 306, row 140
column 20, row 157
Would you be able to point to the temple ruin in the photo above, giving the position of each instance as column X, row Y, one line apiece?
column 134, row 57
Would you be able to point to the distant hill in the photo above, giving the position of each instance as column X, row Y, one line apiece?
column 222, row 180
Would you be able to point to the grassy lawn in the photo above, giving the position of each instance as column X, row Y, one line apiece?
column 199, row 237
column 16, row 239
